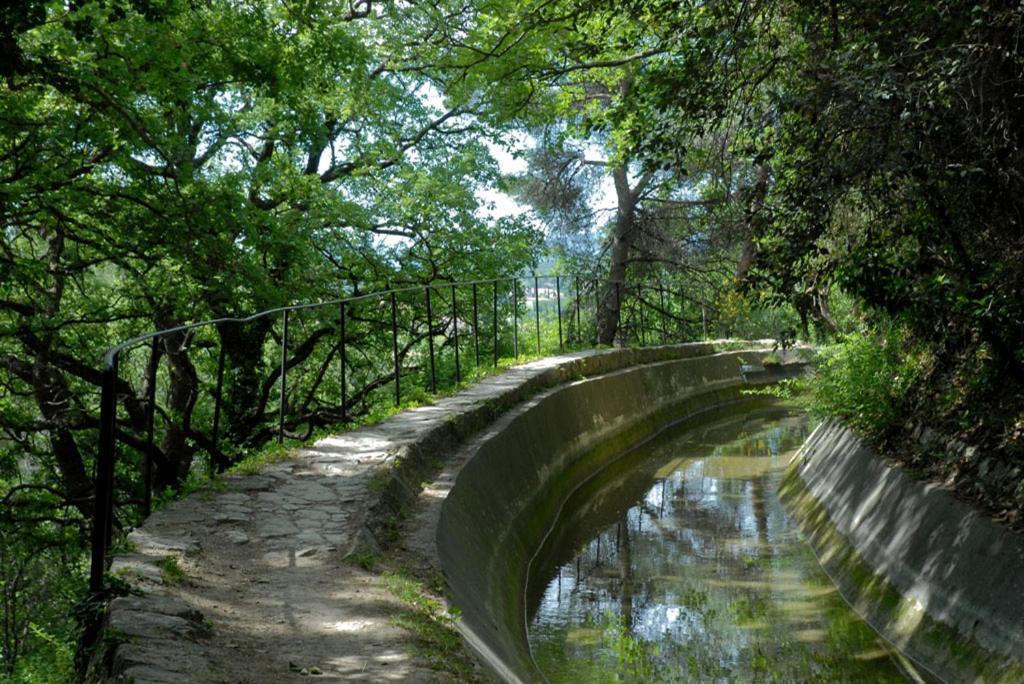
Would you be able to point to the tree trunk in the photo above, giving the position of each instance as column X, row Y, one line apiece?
column 822, row 316
column 243, row 377
column 183, row 391
column 623, row 237
column 754, row 210
column 50, row 388
column 53, row 397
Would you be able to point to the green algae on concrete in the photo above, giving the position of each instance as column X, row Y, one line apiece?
column 934, row 646
column 678, row 563
column 524, row 466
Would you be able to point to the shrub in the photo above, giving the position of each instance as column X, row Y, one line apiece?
column 865, row 377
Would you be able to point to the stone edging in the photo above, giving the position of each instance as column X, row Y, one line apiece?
column 938, row 580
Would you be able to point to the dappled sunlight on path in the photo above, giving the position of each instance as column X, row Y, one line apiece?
column 263, row 563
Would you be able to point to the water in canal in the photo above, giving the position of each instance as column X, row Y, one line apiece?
column 679, row 563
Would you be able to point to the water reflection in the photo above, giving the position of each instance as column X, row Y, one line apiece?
column 678, row 563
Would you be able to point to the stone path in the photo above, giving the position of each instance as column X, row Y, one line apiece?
column 248, row 582
column 265, row 592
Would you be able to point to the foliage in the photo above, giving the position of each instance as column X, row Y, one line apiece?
column 38, row 599
column 873, row 147
column 893, row 172
column 868, row 149
column 894, row 169
column 776, row 166
column 577, row 68
column 864, row 378
column 167, row 162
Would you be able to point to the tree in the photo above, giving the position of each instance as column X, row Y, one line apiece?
column 891, row 135
column 167, row 162
column 666, row 98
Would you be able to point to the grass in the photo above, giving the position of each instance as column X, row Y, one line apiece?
column 171, row 572
column 431, row 623
column 364, row 559
column 122, row 546
column 254, row 463
column 798, row 389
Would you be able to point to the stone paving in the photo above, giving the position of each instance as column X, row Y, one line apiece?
column 247, row 582
column 262, row 593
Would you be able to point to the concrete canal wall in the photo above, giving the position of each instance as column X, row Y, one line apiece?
column 521, row 469
column 940, row 581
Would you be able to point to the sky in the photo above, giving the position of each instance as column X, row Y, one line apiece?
column 508, row 164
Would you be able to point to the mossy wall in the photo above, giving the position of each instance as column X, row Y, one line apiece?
column 524, row 467
column 938, row 580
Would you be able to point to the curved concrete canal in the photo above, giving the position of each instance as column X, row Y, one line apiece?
column 679, row 563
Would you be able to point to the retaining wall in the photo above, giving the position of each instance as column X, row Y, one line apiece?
column 936, row 578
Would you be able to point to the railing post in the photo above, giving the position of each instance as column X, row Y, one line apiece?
column 147, row 458
column 664, row 325
column 536, row 307
column 103, row 501
column 704, row 320
column 641, row 321
column 515, row 318
column 558, row 299
column 216, row 408
column 430, row 342
column 394, row 348
column 597, row 309
column 579, row 328
column 476, row 329
column 283, row 407
column 455, row 335
column 494, row 317
column 344, row 361
column 618, row 304
column 682, row 316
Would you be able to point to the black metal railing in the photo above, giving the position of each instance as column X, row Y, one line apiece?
column 352, row 335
